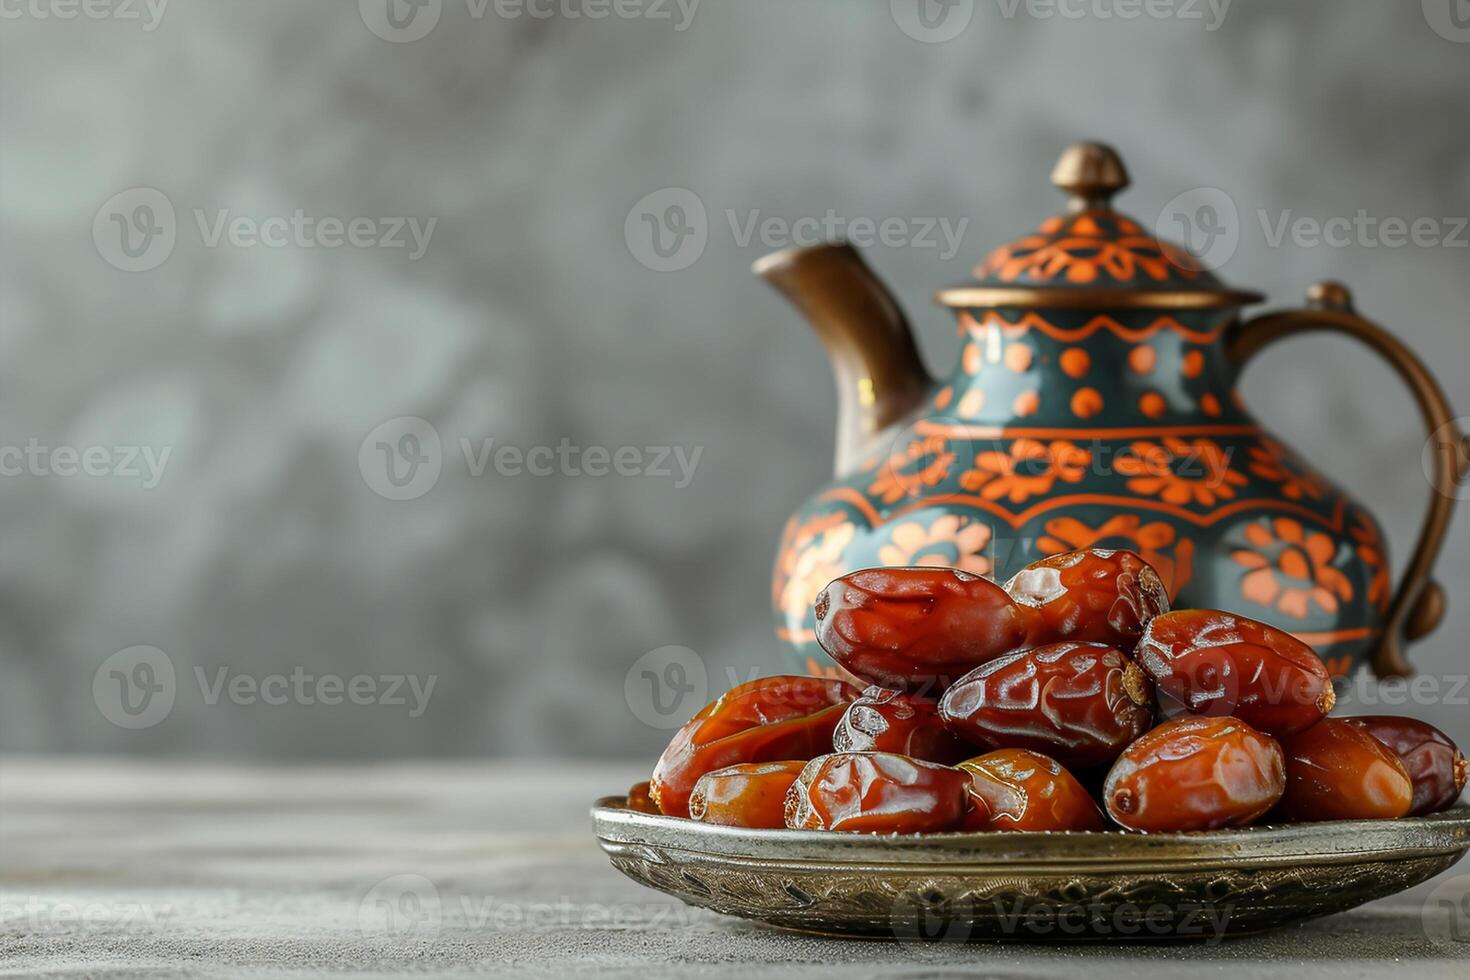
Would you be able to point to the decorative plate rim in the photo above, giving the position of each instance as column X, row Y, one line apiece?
column 1346, row 841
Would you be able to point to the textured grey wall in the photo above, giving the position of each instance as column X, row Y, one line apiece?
column 528, row 319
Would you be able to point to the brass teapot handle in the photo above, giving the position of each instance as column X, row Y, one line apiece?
column 1418, row 606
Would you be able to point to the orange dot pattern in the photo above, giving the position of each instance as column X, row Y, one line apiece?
column 1142, row 359
column 971, row 403
column 1018, row 358
column 1026, row 403
column 942, row 400
column 1076, row 362
column 1210, row 405
column 1087, row 403
column 970, row 359
column 1194, row 364
column 1153, row 405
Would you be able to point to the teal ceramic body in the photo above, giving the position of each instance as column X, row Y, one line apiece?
column 1096, row 429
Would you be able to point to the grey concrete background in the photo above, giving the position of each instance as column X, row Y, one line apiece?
column 529, row 319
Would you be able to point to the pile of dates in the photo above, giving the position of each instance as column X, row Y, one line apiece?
column 1037, row 706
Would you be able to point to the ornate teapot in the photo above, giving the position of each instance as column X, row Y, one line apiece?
column 1094, row 405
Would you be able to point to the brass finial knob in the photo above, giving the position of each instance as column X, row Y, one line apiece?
column 1330, row 295
column 1092, row 173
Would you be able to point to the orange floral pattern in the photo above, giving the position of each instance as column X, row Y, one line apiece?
column 1290, row 569
column 1181, row 471
column 922, row 464
column 810, row 566
column 950, row 541
column 1083, row 247
column 1030, row 469
column 1157, row 542
column 1374, row 556
column 1272, row 461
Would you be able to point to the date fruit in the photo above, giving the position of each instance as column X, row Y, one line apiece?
column 1014, row 789
column 878, row 793
column 1093, row 596
column 916, row 629
column 748, row 795
column 1337, row 771
column 1217, row 663
column 884, row 720
column 1433, row 761
column 641, row 800
column 1195, row 774
column 767, row 720
column 1080, row 703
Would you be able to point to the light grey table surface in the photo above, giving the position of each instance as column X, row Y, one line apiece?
column 115, row 868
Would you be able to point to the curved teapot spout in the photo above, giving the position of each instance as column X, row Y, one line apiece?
column 880, row 377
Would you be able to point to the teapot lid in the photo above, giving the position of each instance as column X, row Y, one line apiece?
column 1092, row 256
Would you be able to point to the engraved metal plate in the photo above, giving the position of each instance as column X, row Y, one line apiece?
column 1031, row 886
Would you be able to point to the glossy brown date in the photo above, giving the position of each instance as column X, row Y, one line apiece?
column 1014, row 789
column 1080, row 703
column 1195, row 774
column 767, row 720
column 640, row 799
column 877, row 793
column 885, row 720
column 1217, row 663
column 749, row 795
column 1434, row 763
column 1337, row 771
column 1094, row 596
column 916, row 629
